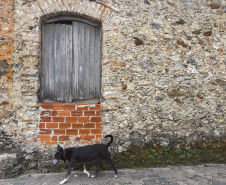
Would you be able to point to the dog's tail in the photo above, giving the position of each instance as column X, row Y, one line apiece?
column 110, row 141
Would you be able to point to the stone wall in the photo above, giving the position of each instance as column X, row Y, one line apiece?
column 163, row 70
column 6, row 52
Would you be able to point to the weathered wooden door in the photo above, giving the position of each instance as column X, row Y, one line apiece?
column 71, row 61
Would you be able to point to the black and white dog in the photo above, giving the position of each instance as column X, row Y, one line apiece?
column 84, row 154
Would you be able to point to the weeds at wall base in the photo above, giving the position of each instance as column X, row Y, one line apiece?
column 159, row 156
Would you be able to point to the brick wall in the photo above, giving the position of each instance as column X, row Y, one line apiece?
column 70, row 123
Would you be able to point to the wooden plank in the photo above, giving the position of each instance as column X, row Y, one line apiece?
column 42, row 84
column 51, row 76
column 62, row 70
column 81, row 61
column 97, row 75
column 45, row 61
column 57, row 66
column 75, row 61
column 68, row 87
column 86, row 62
column 92, row 62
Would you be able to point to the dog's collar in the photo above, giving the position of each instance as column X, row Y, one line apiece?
column 64, row 154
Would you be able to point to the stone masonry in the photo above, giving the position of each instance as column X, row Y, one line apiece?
column 163, row 74
column 6, row 52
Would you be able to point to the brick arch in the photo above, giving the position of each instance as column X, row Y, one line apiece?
column 84, row 8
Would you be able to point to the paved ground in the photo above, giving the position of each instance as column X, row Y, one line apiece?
column 185, row 175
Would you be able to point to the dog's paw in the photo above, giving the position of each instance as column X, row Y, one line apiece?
column 63, row 181
column 116, row 176
column 93, row 176
column 75, row 175
column 88, row 175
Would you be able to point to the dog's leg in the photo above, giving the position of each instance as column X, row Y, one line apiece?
column 84, row 170
column 68, row 174
column 97, row 168
column 110, row 163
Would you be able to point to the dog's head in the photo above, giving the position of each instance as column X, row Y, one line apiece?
column 58, row 155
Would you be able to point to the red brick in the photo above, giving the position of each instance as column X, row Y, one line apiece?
column 98, row 125
column 58, row 119
column 44, row 137
column 69, row 106
column 99, row 113
column 51, row 143
column 78, row 138
column 77, row 125
column 83, row 119
column 98, row 137
column 96, row 131
column 68, row 143
column 71, row 119
column 46, row 113
column 88, row 137
column 64, row 125
column 64, row 113
column 59, row 131
column 102, row 13
column 97, row 107
column 45, row 119
column 42, row 125
column 58, row 106
column 73, row 132
column 95, row 119
column 89, row 125
column 45, row 131
column 64, row 138
column 84, row 131
column 54, row 113
column 87, row 142
column 89, row 113
column 51, row 125
column 54, row 138
column 82, row 107
column 77, row 113
column 47, row 105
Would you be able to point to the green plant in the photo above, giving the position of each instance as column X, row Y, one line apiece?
column 26, row 163
column 166, row 148
column 15, row 175
column 182, row 156
column 60, row 170
column 126, row 147
column 126, row 183
column 141, row 168
column 178, row 150
column 132, row 157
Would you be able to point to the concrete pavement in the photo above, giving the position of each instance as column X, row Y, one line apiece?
column 214, row 174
